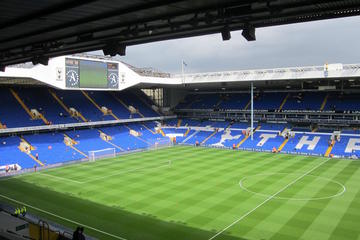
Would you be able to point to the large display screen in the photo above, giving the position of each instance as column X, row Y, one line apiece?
column 91, row 74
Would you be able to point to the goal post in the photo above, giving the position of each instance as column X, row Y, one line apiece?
column 102, row 153
column 161, row 143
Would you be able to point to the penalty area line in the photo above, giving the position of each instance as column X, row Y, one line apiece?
column 267, row 200
column 62, row 218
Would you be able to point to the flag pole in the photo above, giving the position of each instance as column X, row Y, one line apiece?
column 252, row 110
column 182, row 71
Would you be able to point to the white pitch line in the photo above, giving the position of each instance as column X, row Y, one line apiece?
column 268, row 199
column 61, row 178
column 65, row 219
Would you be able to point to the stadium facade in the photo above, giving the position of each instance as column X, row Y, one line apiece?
column 82, row 108
column 79, row 104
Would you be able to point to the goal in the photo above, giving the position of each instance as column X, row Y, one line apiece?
column 161, row 143
column 103, row 153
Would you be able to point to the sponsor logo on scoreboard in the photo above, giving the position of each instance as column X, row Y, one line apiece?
column 59, row 74
column 122, row 78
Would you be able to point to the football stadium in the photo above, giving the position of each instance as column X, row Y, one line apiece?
column 92, row 147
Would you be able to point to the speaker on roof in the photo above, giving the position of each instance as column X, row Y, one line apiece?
column 40, row 59
column 114, row 48
column 249, row 32
column 225, row 33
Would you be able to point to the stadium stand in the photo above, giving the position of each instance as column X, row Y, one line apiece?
column 132, row 100
column 54, row 108
column 342, row 102
column 11, row 154
column 41, row 100
column 51, row 149
column 268, row 101
column 304, row 139
column 107, row 100
column 16, row 114
column 11, row 112
column 234, row 101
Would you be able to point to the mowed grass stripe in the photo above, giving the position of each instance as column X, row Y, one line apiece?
column 270, row 219
column 310, row 210
column 249, row 201
column 183, row 177
column 340, row 216
column 161, row 179
column 231, row 202
column 200, row 189
column 348, row 224
column 98, row 189
column 89, row 170
column 108, row 188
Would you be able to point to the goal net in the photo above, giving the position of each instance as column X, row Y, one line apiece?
column 103, row 153
column 161, row 143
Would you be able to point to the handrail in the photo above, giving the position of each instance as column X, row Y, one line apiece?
column 42, row 225
column 84, row 124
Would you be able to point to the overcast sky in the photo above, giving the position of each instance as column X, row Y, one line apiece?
column 313, row 43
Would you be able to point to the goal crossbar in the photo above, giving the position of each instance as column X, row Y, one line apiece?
column 102, row 153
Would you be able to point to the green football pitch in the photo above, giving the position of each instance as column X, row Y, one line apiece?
column 191, row 193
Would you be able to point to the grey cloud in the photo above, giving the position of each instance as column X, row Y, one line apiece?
column 314, row 43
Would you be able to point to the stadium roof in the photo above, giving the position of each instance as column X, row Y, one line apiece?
column 36, row 30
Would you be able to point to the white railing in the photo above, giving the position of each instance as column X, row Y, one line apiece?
column 309, row 72
column 84, row 124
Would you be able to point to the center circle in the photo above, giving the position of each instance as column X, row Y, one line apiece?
column 254, row 184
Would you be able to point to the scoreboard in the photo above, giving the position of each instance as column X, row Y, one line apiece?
column 80, row 73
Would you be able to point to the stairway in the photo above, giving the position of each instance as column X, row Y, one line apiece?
column 242, row 141
column 73, row 147
column 162, row 132
column 145, row 102
column 112, row 144
column 120, row 101
column 138, row 137
column 314, row 129
column 246, row 137
column 179, row 123
column 218, row 103
column 324, row 102
column 62, row 104
column 29, row 152
column 247, row 105
column 97, row 106
column 34, row 158
column 187, row 132
column 27, row 110
column 284, row 101
column 229, row 126
column 329, row 149
column 149, row 129
column 124, row 104
column 283, row 144
column 206, row 139
column 186, row 139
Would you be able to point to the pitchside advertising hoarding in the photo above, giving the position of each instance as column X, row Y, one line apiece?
column 80, row 73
